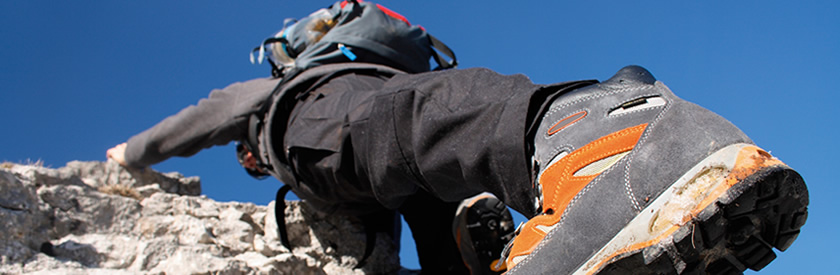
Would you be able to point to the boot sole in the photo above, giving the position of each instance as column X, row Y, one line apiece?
column 723, row 216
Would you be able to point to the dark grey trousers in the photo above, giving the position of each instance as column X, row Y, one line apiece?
column 420, row 144
column 365, row 141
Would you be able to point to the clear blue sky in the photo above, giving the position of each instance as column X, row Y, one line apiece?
column 78, row 77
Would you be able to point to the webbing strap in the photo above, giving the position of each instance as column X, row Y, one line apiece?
column 442, row 48
column 280, row 215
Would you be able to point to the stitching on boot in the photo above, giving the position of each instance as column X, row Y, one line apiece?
column 570, row 208
column 546, row 133
column 605, row 92
column 628, row 187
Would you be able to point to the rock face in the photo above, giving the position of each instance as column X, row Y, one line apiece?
column 94, row 217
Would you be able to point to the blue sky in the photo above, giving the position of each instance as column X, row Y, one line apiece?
column 78, row 77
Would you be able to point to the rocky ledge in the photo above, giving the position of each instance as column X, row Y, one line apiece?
column 98, row 217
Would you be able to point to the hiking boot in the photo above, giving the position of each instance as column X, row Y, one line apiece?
column 482, row 227
column 632, row 179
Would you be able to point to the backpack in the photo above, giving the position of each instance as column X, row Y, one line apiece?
column 353, row 31
column 350, row 34
column 348, row 37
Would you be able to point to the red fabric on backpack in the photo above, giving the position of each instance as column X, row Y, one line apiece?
column 387, row 11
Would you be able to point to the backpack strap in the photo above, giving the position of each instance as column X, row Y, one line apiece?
column 280, row 215
column 256, row 123
column 439, row 46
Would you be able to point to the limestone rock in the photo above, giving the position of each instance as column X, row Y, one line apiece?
column 100, row 218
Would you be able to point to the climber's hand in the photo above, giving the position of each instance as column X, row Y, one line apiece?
column 117, row 153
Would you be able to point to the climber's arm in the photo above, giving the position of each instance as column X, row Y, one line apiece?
column 216, row 120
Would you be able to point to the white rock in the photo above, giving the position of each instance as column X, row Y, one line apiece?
column 191, row 230
column 55, row 221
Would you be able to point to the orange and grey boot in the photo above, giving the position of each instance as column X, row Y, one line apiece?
column 631, row 179
column 482, row 227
